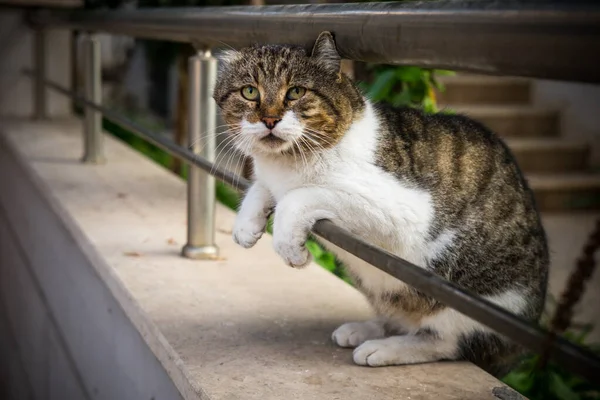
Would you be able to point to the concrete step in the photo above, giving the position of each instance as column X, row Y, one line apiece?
column 564, row 192
column 550, row 155
column 481, row 89
column 513, row 121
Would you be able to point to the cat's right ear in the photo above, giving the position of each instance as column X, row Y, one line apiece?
column 325, row 53
column 227, row 57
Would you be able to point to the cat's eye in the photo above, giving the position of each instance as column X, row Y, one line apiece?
column 295, row 93
column 250, row 93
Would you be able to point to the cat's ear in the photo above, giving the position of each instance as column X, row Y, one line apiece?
column 325, row 53
column 227, row 57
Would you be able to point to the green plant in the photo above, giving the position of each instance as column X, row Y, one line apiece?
column 553, row 382
column 404, row 86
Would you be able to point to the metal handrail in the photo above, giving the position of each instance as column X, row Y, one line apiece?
column 460, row 35
column 497, row 37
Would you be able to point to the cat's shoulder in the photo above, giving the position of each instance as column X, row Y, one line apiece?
column 414, row 123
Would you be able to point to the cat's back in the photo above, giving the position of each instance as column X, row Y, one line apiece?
column 479, row 194
column 462, row 163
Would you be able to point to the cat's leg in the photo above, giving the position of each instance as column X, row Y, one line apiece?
column 251, row 219
column 407, row 349
column 295, row 215
column 354, row 334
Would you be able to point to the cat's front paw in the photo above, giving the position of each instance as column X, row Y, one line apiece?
column 296, row 256
column 246, row 232
column 353, row 334
column 377, row 353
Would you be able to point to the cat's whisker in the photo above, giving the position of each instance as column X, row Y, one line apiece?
column 225, row 44
column 294, row 153
column 319, row 135
column 315, row 154
column 313, row 136
column 220, row 146
column 242, row 148
column 230, row 154
column 305, row 160
column 206, row 134
column 241, row 160
column 223, row 146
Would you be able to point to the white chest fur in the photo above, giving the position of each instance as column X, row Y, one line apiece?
column 365, row 200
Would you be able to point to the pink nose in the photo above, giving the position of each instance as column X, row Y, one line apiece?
column 270, row 122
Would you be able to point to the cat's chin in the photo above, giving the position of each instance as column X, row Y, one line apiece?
column 272, row 146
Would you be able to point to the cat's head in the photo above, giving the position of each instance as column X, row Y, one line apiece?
column 279, row 100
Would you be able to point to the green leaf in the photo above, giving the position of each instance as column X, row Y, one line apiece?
column 438, row 85
column 328, row 261
column 382, row 86
column 314, row 249
column 521, row 381
column 402, row 98
column 561, row 389
column 429, row 105
column 410, row 74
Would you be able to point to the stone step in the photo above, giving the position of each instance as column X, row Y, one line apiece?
column 564, row 192
column 513, row 121
column 482, row 89
column 550, row 155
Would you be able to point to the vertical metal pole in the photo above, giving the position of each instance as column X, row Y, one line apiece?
column 40, row 110
column 92, row 128
column 202, row 139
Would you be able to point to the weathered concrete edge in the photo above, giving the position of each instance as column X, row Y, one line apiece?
column 157, row 343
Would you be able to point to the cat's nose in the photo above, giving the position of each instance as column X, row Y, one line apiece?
column 270, row 122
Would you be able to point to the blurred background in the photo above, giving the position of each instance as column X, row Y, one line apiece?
column 553, row 128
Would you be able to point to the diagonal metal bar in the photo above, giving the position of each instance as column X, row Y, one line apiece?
column 527, row 334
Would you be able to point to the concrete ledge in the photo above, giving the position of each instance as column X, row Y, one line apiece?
column 243, row 327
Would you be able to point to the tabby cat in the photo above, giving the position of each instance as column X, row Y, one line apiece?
column 440, row 191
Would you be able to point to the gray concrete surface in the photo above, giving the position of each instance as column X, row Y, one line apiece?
column 242, row 327
column 61, row 324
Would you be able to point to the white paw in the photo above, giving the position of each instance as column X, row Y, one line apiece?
column 353, row 334
column 376, row 353
column 246, row 232
column 296, row 256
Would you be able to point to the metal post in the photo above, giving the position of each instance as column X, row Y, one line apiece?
column 92, row 128
column 39, row 88
column 201, row 139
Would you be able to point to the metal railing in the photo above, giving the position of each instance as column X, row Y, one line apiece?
column 545, row 41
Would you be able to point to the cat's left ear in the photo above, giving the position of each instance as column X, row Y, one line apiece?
column 325, row 53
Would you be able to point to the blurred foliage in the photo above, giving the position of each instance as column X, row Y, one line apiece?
column 553, row 382
column 404, row 86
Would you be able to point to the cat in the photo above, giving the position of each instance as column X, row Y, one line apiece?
column 440, row 191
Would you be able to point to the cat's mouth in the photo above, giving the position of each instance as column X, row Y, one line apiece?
column 271, row 139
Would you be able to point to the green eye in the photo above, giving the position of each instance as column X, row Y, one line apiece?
column 295, row 93
column 250, row 93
